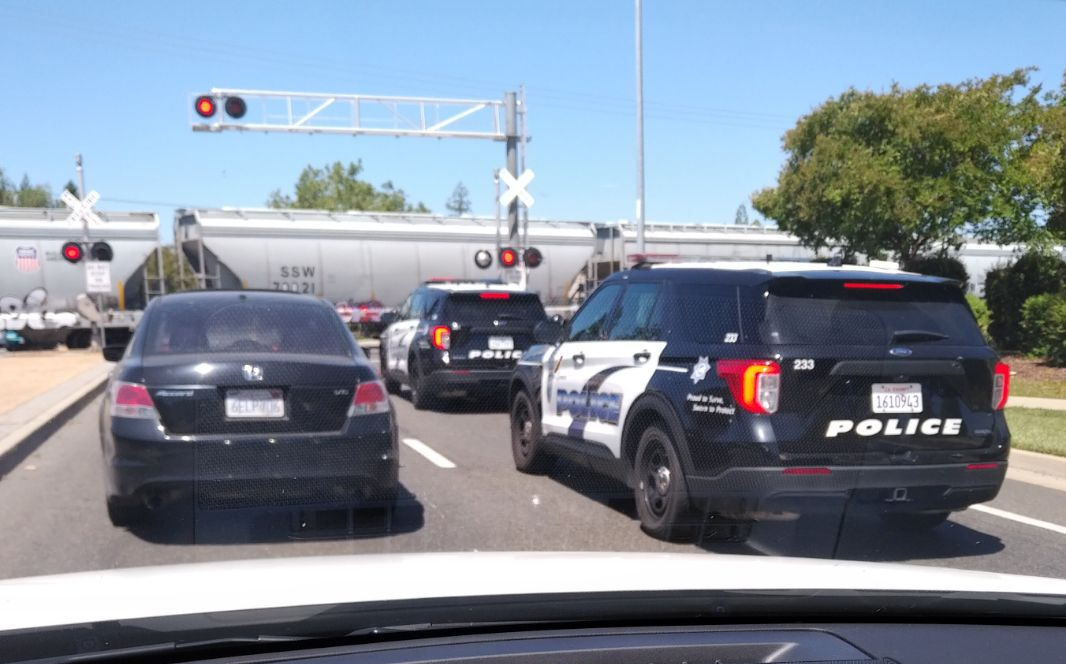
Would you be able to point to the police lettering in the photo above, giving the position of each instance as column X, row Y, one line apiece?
column 872, row 427
column 602, row 406
column 495, row 354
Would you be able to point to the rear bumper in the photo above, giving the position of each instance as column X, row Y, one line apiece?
column 469, row 381
column 251, row 471
column 746, row 492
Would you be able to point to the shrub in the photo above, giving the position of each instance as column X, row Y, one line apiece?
column 1044, row 327
column 1007, row 289
column 980, row 312
column 939, row 266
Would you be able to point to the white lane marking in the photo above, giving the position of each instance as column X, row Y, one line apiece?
column 1029, row 521
column 435, row 457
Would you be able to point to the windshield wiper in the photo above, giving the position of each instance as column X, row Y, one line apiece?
column 918, row 335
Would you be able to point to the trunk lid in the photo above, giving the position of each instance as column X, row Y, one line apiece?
column 191, row 396
column 490, row 330
column 886, row 373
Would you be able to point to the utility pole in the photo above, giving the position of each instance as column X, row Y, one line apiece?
column 522, row 167
column 510, row 103
column 640, row 128
column 81, row 195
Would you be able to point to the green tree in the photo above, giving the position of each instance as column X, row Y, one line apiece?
column 171, row 273
column 741, row 218
column 25, row 194
column 459, row 203
column 1048, row 161
column 911, row 171
column 338, row 187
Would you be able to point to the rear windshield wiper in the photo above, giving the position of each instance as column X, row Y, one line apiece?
column 918, row 335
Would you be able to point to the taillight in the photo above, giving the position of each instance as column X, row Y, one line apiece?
column 132, row 400
column 755, row 384
column 1000, row 386
column 441, row 337
column 370, row 397
column 872, row 285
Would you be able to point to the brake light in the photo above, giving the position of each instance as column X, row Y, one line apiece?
column 755, row 384
column 495, row 296
column 807, row 471
column 982, row 466
column 132, row 400
column 441, row 337
column 870, row 285
column 370, row 397
column 1000, row 386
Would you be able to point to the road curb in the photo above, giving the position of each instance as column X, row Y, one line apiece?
column 21, row 442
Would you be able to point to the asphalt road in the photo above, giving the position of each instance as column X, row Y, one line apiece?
column 465, row 495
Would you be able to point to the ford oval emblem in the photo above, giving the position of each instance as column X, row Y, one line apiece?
column 900, row 351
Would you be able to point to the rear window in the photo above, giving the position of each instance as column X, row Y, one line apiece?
column 493, row 305
column 246, row 327
column 802, row 311
column 704, row 313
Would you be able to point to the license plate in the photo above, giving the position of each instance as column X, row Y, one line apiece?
column 896, row 397
column 255, row 404
column 501, row 343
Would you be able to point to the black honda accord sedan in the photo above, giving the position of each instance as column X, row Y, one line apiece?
column 245, row 399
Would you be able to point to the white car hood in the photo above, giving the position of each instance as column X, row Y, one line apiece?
column 200, row 588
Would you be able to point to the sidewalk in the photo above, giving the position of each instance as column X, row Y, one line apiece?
column 38, row 389
column 1036, row 402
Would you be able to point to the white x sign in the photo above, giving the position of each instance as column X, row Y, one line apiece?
column 516, row 188
column 81, row 209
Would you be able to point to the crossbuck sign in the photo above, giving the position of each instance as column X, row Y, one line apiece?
column 81, row 210
column 516, row 188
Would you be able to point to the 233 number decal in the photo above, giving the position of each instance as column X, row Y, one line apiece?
column 802, row 365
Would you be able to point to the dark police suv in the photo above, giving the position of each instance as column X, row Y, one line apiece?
column 730, row 390
column 245, row 399
column 458, row 337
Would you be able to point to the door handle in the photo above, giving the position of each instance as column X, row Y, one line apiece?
column 579, row 358
column 642, row 356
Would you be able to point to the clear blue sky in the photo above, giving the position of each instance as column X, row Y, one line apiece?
column 723, row 81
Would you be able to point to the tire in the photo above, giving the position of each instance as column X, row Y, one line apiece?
column 915, row 520
column 526, row 438
column 79, row 339
column 125, row 514
column 660, row 489
column 420, row 399
column 392, row 386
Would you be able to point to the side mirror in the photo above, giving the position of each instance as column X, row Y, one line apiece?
column 114, row 353
column 548, row 332
column 388, row 318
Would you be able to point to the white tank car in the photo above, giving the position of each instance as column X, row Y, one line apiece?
column 365, row 255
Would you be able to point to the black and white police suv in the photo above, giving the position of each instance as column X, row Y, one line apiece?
column 458, row 337
column 726, row 390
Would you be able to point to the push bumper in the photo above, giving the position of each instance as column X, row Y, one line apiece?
column 747, row 492
column 468, row 381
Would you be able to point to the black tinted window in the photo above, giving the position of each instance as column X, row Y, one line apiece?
column 704, row 313
column 491, row 305
column 246, row 327
column 589, row 323
column 639, row 314
column 800, row 312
